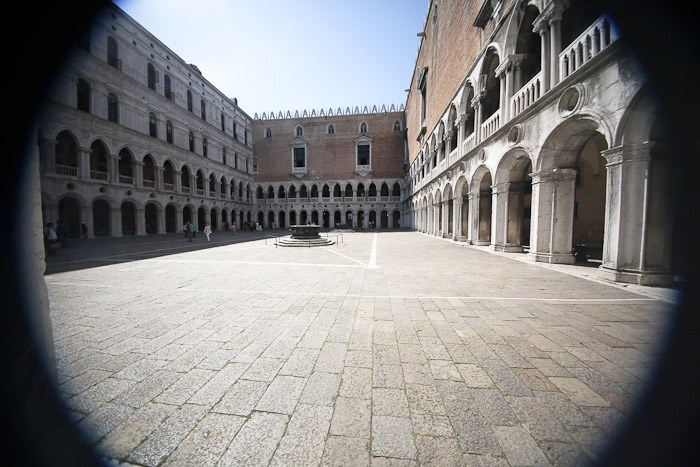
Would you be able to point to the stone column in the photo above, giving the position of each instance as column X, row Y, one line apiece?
column 84, row 163
column 445, row 219
column 177, row 180
column 160, row 184
column 140, row 221
column 499, row 222
column 629, row 207
column 553, row 216
column 161, row 220
column 113, row 161
column 115, row 220
column 476, row 103
column 555, row 47
column 541, row 27
column 86, row 216
column 473, row 217
column 138, row 175
column 457, row 219
column 505, row 73
column 179, row 219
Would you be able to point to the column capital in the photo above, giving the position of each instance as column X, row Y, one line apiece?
column 553, row 175
column 635, row 152
column 502, row 187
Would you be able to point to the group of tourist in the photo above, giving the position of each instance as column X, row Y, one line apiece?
column 56, row 236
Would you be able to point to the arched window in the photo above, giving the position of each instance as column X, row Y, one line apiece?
column 152, row 77
column 112, row 108
column 169, row 131
column 268, row 133
column 83, row 90
column 189, row 101
column 299, row 131
column 113, row 53
column 191, row 141
column 331, row 129
column 203, row 108
column 363, row 127
column 167, row 87
column 397, row 125
column 152, row 125
column 270, row 193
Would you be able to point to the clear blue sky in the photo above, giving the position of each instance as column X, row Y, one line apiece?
column 279, row 55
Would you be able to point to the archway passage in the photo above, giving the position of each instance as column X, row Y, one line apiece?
column 69, row 214
column 100, row 218
column 170, row 219
column 128, row 218
column 484, row 213
column 396, row 219
column 151, row 214
column 589, row 202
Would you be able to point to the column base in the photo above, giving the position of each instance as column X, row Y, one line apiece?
column 481, row 242
column 508, row 248
column 553, row 258
column 460, row 238
column 648, row 278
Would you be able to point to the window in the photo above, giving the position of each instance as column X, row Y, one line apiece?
column 245, row 137
column 223, row 122
column 167, row 87
column 299, row 159
column 235, row 134
column 331, row 129
column 299, row 131
column 205, row 147
column 112, row 108
column 152, row 77
column 152, row 125
column 223, row 155
column 363, row 127
column 235, row 160
column 268, row 133
column 112, row 53
column 363, row 155
column 422, row 87
column 397, row 125
column 247, row 168
column 189, row 101
column 169, row 131
column 191, row 141
column 83, row 90
column 203, row 109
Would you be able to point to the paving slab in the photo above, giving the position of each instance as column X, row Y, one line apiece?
column 388, row 348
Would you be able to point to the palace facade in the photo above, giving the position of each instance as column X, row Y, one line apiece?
column 528, row 128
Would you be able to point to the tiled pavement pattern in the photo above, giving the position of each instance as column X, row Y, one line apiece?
column 393, row 348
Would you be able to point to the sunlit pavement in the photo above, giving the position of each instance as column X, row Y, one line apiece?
column 388, row 348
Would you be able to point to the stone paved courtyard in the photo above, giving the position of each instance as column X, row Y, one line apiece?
column 389, row 348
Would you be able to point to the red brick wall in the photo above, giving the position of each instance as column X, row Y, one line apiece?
column 450, row 52
column 329, row 157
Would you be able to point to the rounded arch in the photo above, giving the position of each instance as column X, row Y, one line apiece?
column 562, row 146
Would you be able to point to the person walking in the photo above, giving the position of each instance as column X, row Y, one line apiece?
column 207, row 230
column 50, row 238
column 188, row 231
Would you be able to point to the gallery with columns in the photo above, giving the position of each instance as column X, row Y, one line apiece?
column 549, row 141
column 528, row 128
